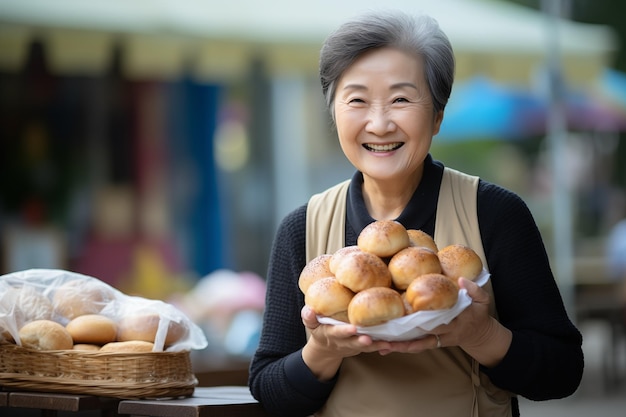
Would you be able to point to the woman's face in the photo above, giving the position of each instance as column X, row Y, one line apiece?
column 384, row 114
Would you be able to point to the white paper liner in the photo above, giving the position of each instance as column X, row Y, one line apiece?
column 416, row 325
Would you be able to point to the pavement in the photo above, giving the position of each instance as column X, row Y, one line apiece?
column 597, row 396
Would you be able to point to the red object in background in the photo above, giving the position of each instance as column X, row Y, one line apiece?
column 109, row 260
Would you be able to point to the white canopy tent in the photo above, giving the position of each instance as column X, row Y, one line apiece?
column 161, row 38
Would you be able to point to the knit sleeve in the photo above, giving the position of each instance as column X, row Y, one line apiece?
column 279, row 379
column 545, row 360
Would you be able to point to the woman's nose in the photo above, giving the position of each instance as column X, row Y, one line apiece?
column 379, row 121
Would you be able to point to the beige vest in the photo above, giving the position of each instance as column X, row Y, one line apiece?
column 440, row 382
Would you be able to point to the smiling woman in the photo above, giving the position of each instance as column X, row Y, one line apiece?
column 386, row 78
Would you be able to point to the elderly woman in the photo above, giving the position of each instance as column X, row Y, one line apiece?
column 387, row 78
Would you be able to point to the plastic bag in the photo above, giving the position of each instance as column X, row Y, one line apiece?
column 60, row 295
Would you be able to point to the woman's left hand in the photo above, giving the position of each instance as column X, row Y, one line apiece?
column 474, row 330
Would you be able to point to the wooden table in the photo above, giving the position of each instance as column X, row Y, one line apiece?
column 211, row 370
column 225, row 401
column 51, row 403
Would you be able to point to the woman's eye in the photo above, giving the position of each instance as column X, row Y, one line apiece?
column 401, row 100
column 356, row 100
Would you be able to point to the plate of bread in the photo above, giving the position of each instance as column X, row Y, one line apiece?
column 395, row 284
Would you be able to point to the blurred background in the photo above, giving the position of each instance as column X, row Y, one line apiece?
column 156, row 144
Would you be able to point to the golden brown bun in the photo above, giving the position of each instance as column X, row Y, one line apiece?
column 86, row 346
column 375, row 306
column 408, row 308
column 145, row 326
column 78, row 297
column 131, row 346
column 360, row 270
column 383, row 238
column 45, row 335
column 422, row 239
column 410, row 263
column 460, row 261
column 432, row 292
column 315, row 269
column 92, row 328
column 327, row 297
column 339, row 255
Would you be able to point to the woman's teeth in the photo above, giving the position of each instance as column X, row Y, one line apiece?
column 382, row 148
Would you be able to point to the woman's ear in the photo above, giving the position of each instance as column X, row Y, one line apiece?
column 437, row 122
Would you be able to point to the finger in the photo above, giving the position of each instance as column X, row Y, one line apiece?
column 474, row 291
column 309, row 318
column 437, row 341
column 346, row 331
column 414, row 346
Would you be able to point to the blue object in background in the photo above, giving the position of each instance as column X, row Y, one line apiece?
column 613, row 84
column 481, row 109
column 198, row 217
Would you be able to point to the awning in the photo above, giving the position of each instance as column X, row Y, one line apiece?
column 164, row 38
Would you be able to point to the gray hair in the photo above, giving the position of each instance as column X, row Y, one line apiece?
column 421, row 36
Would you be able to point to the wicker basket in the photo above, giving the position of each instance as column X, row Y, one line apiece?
column 118, row 375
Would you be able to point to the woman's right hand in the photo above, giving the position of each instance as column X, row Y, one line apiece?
column 328, row 345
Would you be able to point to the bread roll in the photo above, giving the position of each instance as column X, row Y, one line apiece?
column 327, row 297
column 383, row 238
column 131, row 346
column 375, row 306
column 422, row 239
column 460, row 261
column 92, row 328
column 339, row 255
column 81, row 296
column 145, row 326
column 360, row 270
column 45, row 335
column 86, row 347
column 408, row 308
column 410, row 263
column 432, row 292
column 315, row 269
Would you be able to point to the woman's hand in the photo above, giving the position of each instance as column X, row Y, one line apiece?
column 328, row 345
column 474, row 330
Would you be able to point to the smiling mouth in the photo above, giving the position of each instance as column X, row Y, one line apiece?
column 383, row 148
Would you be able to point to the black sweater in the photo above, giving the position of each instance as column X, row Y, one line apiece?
column 545, row 359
